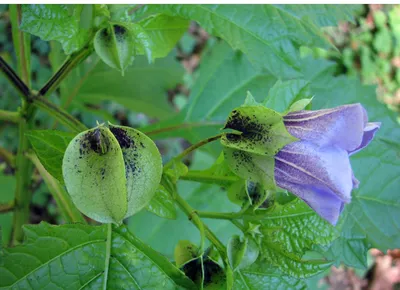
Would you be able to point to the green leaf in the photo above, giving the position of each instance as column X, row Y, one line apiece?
column 283, row 94
column 142, row 86
column 262, row 275
column 56, row 22
column 73, row 257
column 272, row 46
column 162, row 204
column 50, row 146
column 163, row 32
column 300, row 105
column 178, row 169
column 241, row 252
column 94, row 174
column 262, row 131
column 323, row 14
column 300, row 228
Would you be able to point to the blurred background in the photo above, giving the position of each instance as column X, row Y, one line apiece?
column 368, row 49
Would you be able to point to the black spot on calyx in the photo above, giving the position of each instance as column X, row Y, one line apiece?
column 250, row 128
column 119, row 30
column 124, row 140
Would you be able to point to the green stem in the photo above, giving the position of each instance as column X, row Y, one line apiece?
column 22, row 197
column 6, row 207
column 199, row 176
column 192, row 148
column 67, row 208
column 22, row 44
column 71, row 62
column 178, row 127
column 60, row 114
column 23, row 173
column 220, row 215
column 9, row 116
column 108, row 255
column 194, row 218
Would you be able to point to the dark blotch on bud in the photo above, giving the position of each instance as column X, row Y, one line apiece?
column 122, row 137
column 119, row 30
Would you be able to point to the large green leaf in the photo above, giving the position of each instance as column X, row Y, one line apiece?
column 56, row 22
column 270, row 35
column 322, row 14
column 262, row 275
column 288, row 231
column 74, row 257
column 142, row 86
column 164, row 32
column 50, row 146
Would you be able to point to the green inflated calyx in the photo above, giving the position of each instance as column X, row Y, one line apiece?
column 259, row 135
column 111, row 172
column 114, row 45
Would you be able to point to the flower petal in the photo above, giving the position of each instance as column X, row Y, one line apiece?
column 325, row 203
column 369, row 133
column 341, row 126
column 307, row 164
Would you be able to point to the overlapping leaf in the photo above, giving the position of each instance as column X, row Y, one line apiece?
column 288, row 231
column 56, row 22
column 74, row 257
column 268, row 34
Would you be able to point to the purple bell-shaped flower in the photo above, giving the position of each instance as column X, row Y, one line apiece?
column 317, row 167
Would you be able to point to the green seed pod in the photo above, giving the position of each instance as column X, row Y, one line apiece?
column 114, row 46
column 111, row 173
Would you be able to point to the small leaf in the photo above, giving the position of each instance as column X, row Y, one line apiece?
column 94, row 174
column 300, row 105
column 262, row 131
column 178, row 169
column 50, row 146
column 114, row 45
column 250, row 101
column 162, row 204
column 73, row 256
column 282, row 94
